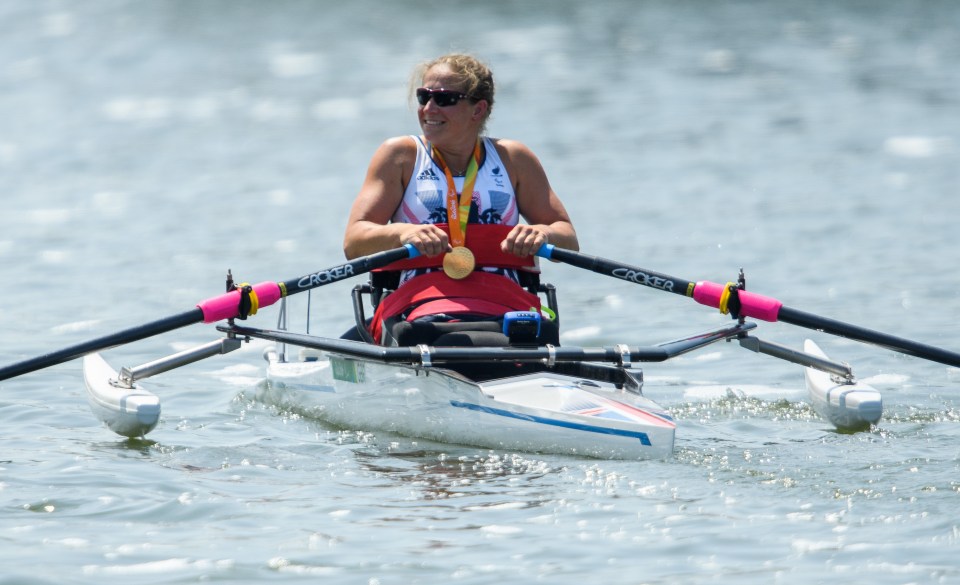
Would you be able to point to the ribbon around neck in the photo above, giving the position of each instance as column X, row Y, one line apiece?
column 458, row 209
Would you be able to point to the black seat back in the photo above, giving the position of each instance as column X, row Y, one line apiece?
column 480, row 333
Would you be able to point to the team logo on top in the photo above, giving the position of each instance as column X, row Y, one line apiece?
column 497, row 176
column 428, row 175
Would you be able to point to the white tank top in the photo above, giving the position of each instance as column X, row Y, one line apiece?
column 425, row 199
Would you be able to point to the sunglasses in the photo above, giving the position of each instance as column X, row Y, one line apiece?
column 441, row 97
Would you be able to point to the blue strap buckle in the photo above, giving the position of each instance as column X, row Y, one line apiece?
column 522, row 327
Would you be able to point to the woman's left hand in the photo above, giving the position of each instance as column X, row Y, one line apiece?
column 524, row 240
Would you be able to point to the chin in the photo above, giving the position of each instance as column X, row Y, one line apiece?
column 430, row 132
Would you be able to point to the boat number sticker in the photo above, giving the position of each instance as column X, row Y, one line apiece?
column 347, row 370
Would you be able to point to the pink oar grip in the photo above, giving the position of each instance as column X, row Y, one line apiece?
column 751, row 304
column 227, row 305
column 759, row 306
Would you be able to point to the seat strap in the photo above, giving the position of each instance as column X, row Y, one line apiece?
column 479, row 293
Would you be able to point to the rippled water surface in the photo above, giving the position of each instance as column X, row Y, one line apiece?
column 148, row 146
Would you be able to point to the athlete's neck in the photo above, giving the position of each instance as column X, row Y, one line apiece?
column 458, row 157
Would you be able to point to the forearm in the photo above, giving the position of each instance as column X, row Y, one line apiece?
column 562, row 235
column 365, row 237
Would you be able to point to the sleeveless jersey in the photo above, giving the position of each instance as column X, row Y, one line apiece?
column 425, row 199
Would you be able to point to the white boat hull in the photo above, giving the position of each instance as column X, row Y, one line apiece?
column 541, row 412
column 130, row 412
column 848, row 406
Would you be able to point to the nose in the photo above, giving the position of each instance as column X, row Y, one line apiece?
column 431, row 104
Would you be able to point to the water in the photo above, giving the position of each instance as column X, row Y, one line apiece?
column 147, row 147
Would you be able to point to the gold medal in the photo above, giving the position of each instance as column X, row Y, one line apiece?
column 459, row 263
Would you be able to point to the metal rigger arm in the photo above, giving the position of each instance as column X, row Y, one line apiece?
column 797, row 357
column 129, row 376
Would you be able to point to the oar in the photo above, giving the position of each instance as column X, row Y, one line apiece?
column 728, row 298
column 225, row 306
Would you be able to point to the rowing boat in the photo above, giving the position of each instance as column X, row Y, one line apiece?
column 562, row 400
column 511, row 395
column 545, row 411
column 580, row 410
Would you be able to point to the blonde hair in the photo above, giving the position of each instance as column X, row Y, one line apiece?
column 475, row 77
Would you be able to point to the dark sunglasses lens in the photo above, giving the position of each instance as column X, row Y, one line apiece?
column 446, row 98
column 440, row 97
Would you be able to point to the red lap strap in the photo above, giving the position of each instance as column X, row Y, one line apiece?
column 480, row 293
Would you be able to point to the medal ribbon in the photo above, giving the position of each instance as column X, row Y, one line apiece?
column 458, row 212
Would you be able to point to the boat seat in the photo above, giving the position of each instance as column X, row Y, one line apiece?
column 445, row 330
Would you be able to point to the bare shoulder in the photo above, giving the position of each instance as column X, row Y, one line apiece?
column 399, row 149
column 519, row 159
column 400, row 143
column 513, row 150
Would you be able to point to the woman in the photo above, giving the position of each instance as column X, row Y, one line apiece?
column 408, row 186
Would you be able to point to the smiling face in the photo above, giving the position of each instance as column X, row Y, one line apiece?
column 455, row 124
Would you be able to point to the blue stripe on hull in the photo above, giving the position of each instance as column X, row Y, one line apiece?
column 644, row 439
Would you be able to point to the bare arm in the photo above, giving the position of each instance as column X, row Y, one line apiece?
column 547, row 219
column 368, row 228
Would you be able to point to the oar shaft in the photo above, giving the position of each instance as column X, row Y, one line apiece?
column 619, row 270
column 225, row 306
column 710, row 294
column 892, row 342
column 106, row 342
column 348, row 269
column 748, row 304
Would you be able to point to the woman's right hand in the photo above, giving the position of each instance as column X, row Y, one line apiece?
column 428, row 239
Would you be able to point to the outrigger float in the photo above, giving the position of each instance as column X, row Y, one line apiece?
column 518, row 394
